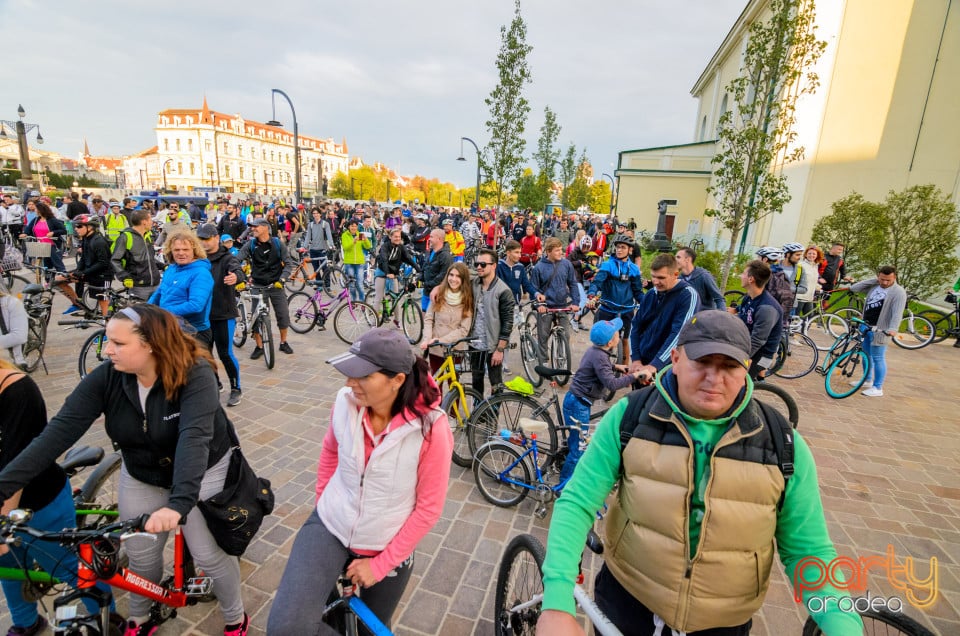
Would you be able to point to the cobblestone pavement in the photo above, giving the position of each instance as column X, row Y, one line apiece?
column 887, row 466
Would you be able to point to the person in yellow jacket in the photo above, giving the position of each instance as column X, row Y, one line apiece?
column 114, row 223
column 455, row 240
column 353, row 244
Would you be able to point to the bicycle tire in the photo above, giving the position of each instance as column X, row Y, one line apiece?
column 504, row 411
column 733, row 297
column 800, row 358
column 458, row 416
column 492, row 459
column 846, row 313
column 607, row 393
column 100, row 491
column 333, row 281
column 89, row 299
column 560, row 356
column 36, row 340
column 266, row 337
column 303, row 312
column 15, row 283
column 354, row 319
column 824, row 329
column 240, row 326
column 91, row 353
column 872, row 622
column 519, row 580
column 914, row 332
column 528, row 358
column 942, row 323
column 297, row 280
column 843, row 377
column 784, row 402
column 411, row 320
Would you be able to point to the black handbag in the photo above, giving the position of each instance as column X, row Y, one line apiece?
column 234, row 514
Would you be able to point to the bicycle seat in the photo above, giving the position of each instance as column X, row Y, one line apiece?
column 594, row 542
column 81, row 456
column 531, row 426
column 32, row 289
column 547, row 372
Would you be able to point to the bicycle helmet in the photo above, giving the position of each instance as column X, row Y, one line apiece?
column 592, row 255
column 770, row 253
column 86, row 219
column 622, row 238
column 792, row 247
column 586, row 243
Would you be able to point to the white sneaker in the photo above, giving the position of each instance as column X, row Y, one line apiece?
column 873, row 392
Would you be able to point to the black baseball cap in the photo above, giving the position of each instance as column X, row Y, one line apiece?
column 207, row 230
column 260, row 222
column 380, row 349
column 714, row 331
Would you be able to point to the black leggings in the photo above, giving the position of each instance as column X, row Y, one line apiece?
column 222, row 331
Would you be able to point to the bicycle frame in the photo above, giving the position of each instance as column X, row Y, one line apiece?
column 446, row 376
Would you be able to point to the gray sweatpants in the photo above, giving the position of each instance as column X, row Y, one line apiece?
column 146, row 555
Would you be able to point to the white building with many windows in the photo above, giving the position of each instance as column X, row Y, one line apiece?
column 202, row 148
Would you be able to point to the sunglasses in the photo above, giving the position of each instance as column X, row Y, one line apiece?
column 482, row 264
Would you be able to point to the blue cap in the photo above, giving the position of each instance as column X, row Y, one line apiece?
column 602, row 332
column 226, row 237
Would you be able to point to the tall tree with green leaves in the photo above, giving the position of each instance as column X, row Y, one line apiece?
column 503, row 154
column 568, row 166
column 548, row 152
column 756, row 138
column 578, row 190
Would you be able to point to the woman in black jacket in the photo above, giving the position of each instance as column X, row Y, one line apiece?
column 47, row 228
column 158, row 395
column 390, row 259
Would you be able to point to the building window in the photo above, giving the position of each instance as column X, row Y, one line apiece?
column 288, row 158
column 703, row 128
column 263, row 153
column 179, row 168
column 178, row 145
column 166, row 144
column 226, row 171
column 192, row 169
column 271, row 155
column 239, row 150
column 241, row 172
column 166, row 167
column 207, row 145
column 253, row 153
column 226, row 148
column 190, row 145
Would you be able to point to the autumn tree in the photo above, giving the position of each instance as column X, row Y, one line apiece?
column 503, row 154
column 756, row 138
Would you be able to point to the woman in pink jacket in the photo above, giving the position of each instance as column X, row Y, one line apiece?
column 381, row 485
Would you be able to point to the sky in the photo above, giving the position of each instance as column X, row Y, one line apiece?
column 401, row 81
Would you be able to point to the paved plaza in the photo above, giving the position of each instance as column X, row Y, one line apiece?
column 889, row 472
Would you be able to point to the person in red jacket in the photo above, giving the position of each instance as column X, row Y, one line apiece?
column 530, row 246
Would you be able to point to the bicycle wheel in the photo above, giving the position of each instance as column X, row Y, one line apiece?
column 513, row 412
column 458, row 415
column 411, row 320
column 779, row 399
column 914, row 332
column 846, row 374
column 733, row 297
column 876, row 622
column 800, row 358
column 609, row 395
column 942, row 323
column 519, row 592
column 36, row 337
column 333, row 281
column 488, row 468
column 354, row 319
column 97, row 500
column 846, row 313
column 266, row 337
column 824, row 329
column 296, row 281
column 90, row 300
column 15, row 283
column 91, row 353
column 559, row 356
column 303, row 312
column 240, row 327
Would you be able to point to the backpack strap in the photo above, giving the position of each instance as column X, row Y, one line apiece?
column 636, row 404
column 781, row 432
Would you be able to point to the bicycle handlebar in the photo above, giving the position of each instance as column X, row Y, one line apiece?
column 451, row 345
column 17, row 519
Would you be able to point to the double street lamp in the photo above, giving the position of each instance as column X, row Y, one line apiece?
column 21, row 128
column 611, row 190
column 296, row 137
column 462, row 158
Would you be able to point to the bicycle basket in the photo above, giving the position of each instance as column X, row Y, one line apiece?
column 39, row 250
column 951, row 298
column 519, row 385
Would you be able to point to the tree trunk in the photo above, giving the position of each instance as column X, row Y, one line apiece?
column 728, row 261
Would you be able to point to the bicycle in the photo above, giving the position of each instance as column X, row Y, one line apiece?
column 344, row 610
column 458, row 399
column 351, row 318
column 38, row 303
column 240, row 327
column 946, row 323
column 100, row 559
column 915, row 330
column 411, row 316
column 330, row 277
column 846, row 366
column 559, row 350
column 91, row 352
column 797, row 354
column 260, row 312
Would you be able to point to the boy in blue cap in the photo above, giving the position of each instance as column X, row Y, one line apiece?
column 227, row 241
column 593, row 376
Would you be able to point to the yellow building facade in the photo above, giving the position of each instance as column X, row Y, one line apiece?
column 885, row 117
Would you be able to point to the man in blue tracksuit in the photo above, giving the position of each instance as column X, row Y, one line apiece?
column 620, row 285
column 660, row 316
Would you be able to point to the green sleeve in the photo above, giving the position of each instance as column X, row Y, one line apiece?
column 802, row 533
column 956, row 286
column 574, row 512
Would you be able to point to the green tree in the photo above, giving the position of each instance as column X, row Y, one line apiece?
column 578, row 192
column 917, row 230
column 548, row 153
column 756, row 138
column 533, row 191
column 339, row 186
column 503, row 154
column 600, row 197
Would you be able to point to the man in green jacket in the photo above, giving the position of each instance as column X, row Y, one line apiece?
column 353, row 243
column 704, row 489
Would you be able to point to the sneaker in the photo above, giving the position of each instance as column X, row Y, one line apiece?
column 575, row 325
column 37, row 628
column 72, row 309
column 873, row 392
column 237, row 629
column 257, row 353
column 285, row 347
column 145, row 629
column 234, row 398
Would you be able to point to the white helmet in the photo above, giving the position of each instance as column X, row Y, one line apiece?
column 770, row 253
column 792, row 247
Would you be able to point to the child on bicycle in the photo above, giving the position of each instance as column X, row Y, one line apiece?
column 593, row 376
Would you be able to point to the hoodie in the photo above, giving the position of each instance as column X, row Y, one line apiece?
column 658, row 321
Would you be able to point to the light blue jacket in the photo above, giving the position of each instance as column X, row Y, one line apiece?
column 187, row 291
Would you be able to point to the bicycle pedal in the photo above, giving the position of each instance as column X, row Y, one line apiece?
column 540, row 512
column 198, row 586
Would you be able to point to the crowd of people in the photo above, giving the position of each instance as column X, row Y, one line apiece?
column 385, row 459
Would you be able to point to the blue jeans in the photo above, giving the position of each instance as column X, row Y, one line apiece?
column 355, row 272
column 878, row 360
column 574, row 409
column 52, row 557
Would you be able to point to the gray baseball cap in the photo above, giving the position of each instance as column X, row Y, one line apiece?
column 207, row 230
column 381, row 349
column 259, row 222
column 714, row 331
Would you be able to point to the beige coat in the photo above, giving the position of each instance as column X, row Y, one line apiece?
column 448, row 325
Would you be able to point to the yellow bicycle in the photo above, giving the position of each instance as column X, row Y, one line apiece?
column 458, row 400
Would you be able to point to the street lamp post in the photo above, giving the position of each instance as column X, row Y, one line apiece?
column 22, row 128
column 388, row 190
column 296, row 137
column 462, row 158
column 611, row 191
column 163, row 171
column 353, row 194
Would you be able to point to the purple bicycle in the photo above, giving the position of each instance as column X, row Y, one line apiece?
column 350, row 317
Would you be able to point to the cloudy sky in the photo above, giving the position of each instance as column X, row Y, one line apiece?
column 402, row 81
